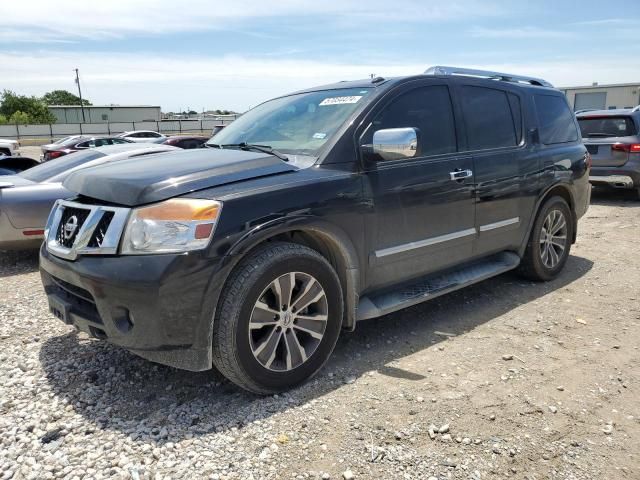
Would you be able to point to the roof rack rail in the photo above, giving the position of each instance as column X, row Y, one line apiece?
column 507, row 77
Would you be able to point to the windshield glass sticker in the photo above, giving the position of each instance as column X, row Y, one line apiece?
column 340, row 100
column 319, row 135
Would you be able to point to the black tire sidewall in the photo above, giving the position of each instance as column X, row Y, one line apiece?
column 277, row 381
column 542, row 270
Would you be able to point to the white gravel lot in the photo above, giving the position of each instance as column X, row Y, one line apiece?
column 506, row 379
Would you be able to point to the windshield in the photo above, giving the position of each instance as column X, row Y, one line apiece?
column 297, row 124
column 606, row 127
column 50, row 169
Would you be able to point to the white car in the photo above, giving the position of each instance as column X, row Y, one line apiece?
column 142, row 136
column 9, row 147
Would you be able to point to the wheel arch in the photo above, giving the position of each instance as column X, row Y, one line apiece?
column 563, row 191
column 325, row 238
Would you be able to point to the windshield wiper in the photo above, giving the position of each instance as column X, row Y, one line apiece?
column 251, row 146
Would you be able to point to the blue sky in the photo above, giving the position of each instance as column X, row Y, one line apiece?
column 235, row 54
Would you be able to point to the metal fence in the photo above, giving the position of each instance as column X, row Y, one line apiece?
column 51, row 132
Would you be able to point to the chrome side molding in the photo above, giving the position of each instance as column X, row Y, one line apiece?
column 444, row 238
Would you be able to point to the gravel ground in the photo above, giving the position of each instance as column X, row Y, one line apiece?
column 506, row 379
column 30, row 151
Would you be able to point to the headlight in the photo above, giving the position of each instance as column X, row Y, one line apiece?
column 176, row 225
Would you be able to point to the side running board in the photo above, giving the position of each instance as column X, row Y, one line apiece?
column 435, row 285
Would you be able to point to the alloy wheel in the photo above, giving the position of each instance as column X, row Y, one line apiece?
column 553, row 238
column 288, row 321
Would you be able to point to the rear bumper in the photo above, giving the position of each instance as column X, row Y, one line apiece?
column 617, row 181
column 12, row 238
column 159, row 307
column 626, row 176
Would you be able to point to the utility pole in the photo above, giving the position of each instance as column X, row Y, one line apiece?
column 80, row 95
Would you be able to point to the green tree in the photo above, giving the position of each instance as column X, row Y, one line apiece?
column 3, row 120
column 20, row 118
column 33, row 107
column 63, row 97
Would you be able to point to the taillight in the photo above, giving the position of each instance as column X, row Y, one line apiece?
column 55, row 154
column 626, row 147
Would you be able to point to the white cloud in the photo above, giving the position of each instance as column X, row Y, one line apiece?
column 608, row 22
column 525, row 32
column 120, row 18
column 178, row 82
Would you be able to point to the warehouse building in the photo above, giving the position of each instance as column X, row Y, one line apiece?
column 105, row 113
column 603, row 97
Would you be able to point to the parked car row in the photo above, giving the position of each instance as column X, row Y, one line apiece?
column 75, row 143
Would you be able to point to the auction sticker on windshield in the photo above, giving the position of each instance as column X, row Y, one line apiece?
column 340, row 100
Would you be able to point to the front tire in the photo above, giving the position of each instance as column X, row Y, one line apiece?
column 549, row 242
column 278, row 318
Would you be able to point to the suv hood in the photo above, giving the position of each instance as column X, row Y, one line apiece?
column 152, row 178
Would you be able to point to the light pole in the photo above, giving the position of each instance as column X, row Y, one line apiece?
column 80, row 95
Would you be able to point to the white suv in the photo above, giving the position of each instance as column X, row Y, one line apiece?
column 9, row 147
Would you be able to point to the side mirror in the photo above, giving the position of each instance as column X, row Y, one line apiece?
column 395, row 143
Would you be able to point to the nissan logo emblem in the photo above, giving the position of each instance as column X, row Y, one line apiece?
column 70, row 227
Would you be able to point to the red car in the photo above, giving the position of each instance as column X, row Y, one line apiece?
column 75, row 144
column 186, row 141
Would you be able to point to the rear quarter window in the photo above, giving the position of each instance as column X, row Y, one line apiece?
column 555, row 120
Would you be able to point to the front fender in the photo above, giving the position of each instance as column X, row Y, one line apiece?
column 339, row 243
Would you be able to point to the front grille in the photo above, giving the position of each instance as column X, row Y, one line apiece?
column 101, row 230
column 77, row 228
column 70, row 224
column 592, row 149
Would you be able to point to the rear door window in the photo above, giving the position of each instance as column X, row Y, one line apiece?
column 594, row 127
column 555, row 120
column 489, row 119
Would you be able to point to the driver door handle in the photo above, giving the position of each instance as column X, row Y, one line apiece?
column 460, row 174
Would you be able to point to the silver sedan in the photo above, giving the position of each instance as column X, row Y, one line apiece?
column 26, row 199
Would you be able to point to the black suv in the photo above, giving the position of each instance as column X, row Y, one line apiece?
column 316, row 210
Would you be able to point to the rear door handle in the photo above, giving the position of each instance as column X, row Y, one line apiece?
column 460, row 174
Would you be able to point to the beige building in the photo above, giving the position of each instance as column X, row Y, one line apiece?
column 603, row 97
column 106, row 113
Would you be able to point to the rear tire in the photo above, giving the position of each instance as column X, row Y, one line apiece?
column 549, row 242
column 4, row 151
column 278, row 318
